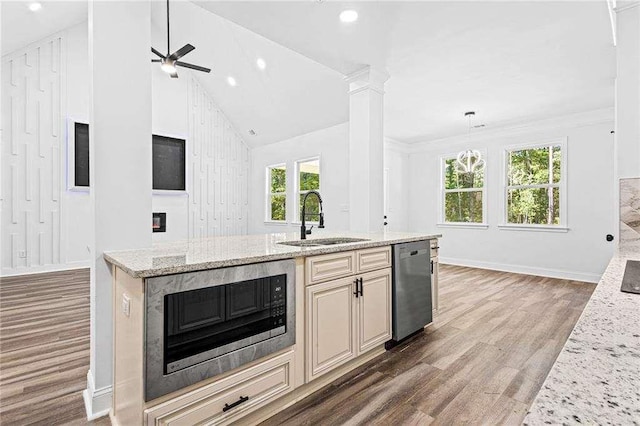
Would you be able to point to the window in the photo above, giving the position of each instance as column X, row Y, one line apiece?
column 168, row 163
column 462, row 194
column 534, row 185
column 81, row 155
column 277, row 193
column 308, row 179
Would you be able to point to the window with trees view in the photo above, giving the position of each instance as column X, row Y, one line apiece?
column 463, row 194
column 277, row 192
column 308, row 179
column 534, row 185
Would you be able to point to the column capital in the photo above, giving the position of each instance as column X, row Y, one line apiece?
column 367, row 78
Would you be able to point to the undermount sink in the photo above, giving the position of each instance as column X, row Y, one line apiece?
column 323, row 242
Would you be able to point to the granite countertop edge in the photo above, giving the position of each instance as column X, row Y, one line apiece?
column 595, row 379
column 126, row 259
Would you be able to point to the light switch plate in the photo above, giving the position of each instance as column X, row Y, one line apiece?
column 126, row 305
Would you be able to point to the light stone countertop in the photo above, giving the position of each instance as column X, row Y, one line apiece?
column 217, row 252
column 596, row 378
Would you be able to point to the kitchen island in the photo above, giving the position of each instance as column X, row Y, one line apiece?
column 334, row 316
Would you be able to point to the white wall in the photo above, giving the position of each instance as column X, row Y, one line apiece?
column 581, row 253
column 396, row 165
column 222, row 169
column 33, row 81
column 628, row 91
column 332, row 146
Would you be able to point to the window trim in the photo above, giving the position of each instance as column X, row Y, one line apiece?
column 269, row 194
column 441, row 204
column 298, row 192
column 562, row 187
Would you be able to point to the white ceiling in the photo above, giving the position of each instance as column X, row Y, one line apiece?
column 21, row 27
column 292, row 96
column 510, row 61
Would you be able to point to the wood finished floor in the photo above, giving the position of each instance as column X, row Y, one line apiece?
column 44, row 348
column 481, row 362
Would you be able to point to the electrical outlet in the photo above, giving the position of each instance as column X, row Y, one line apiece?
column 22, row 254
column 126, row 305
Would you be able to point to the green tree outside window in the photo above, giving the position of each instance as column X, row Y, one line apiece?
column 277, row 192
column 533, row 185
column 309, row 179
column 463, row 194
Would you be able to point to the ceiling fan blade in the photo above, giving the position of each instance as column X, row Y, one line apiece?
column 156, row 60
column 193, row 67
column 157, row 53
column 181, row 52
column 174, row 75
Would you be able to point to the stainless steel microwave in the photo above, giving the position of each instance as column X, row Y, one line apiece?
column 201, row 324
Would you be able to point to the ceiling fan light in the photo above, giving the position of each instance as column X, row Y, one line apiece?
column 168, row 67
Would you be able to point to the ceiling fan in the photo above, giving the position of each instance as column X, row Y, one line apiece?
column 170, row 61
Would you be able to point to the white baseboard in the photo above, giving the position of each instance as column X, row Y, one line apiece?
column 14, row 272
column 520, row 269
column 97, row 402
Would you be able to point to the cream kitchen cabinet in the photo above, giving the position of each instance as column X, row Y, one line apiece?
column 347, row 317
column 374, row 310
column 331, row 331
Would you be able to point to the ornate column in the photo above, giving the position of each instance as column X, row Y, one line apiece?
column 366, row 149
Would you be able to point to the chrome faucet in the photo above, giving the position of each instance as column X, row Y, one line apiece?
column 303, row 227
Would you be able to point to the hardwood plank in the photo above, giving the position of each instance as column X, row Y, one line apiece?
column 44, row 348
column 481, row 362
column 489, row 349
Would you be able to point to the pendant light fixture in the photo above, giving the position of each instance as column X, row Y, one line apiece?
column 469, row 161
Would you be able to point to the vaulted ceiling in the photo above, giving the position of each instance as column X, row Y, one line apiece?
column 510, row 61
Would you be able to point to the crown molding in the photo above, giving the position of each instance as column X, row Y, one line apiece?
column 397, row 146
column 367, row 78
column 599, row 116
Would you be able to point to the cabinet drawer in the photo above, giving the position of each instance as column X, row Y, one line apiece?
column 255, row 386
column 374, row 258
column 330, row 266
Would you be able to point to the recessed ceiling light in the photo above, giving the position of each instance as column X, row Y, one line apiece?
column 261, row 63
column 34, row 7
column 349, row 16
column 232, row 81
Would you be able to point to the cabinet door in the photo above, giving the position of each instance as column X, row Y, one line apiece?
column 374, row 310
column 330, row 326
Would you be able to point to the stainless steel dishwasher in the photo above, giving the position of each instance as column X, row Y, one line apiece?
column 411, row 288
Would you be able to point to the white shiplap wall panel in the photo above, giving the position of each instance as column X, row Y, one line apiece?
column 31, row 147
column 219, row 169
